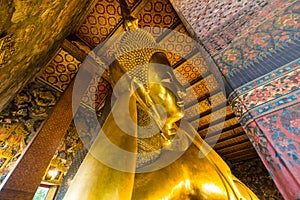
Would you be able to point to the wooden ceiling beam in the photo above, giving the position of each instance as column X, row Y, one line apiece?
column 244, row 157
column 223, row 130
column 192, row 103
column 166, row 33
column 231, row 137
column 235, row 148
column 200, row 78
column 230, row 116
column 242, row 151
column 232, row 141
column 233, row 144
column 208, row 112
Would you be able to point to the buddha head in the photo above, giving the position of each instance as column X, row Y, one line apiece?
column 162, row 95
column 151, row 78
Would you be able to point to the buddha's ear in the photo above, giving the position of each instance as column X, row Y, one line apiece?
column 118, row 79
column 141, row 92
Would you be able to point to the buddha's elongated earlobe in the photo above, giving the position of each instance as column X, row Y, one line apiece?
column 141, row 92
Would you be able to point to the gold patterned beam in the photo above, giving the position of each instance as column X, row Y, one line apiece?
column 100, row 22
column 191, row 70
column 80, row 51
column 60, row 71
column 178, row 44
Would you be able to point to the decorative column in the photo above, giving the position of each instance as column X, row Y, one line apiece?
column 256, row 46
column 27, row 175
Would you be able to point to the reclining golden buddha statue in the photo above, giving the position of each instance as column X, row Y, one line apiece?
column 144, row 149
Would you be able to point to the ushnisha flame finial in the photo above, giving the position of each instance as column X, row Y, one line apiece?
column 129, row 21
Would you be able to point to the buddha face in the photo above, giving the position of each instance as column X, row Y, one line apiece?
column 165, row 91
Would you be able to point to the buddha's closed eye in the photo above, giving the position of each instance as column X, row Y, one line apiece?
column 167, row 78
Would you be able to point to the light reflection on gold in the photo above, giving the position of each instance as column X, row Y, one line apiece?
column 212, row 188
column 186, row 184
column 52, row 174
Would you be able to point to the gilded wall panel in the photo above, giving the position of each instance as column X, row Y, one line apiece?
column 96, row 93
column 201, row 89
column 171, row 55
column 218, row 99
column 178, row 44
column 34, row 29
column 157, row 13
column 20, row 121
column 217, row 115
column 219, row 126
column 60, row 72
column 197, row 109
column 100, row 22
column 192, row 69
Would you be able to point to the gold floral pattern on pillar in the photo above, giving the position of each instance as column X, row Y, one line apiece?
column 63, row 157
